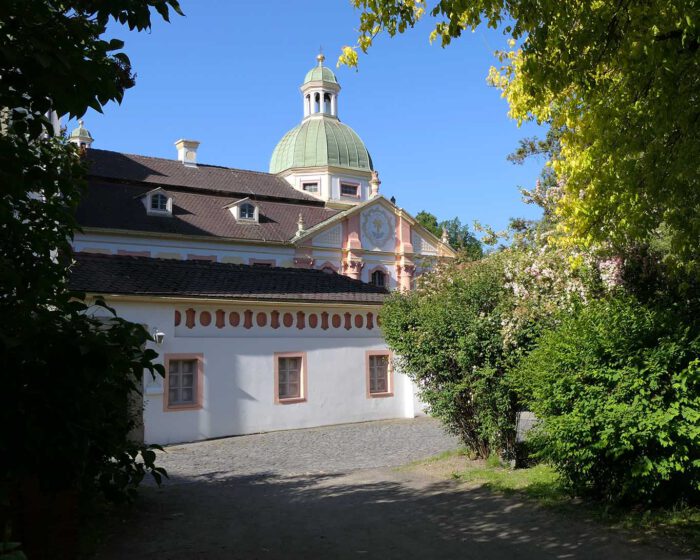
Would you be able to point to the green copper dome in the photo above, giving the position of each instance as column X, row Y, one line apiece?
column 80, row 131
column 320, row 73
column 318, row 142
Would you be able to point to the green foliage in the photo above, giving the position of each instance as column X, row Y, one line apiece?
column 448, row 336
column 459, row 236
column 619, row 82
column 617, row 389
column 83, row 69
column 69, row 369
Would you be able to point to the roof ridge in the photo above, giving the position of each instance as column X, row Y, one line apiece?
column 198, row 164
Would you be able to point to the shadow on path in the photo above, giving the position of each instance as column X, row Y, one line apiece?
column 364, row 514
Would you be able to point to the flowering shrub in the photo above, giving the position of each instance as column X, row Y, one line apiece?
column 447, row 334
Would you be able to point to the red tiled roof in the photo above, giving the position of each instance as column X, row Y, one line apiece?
column 116, row 274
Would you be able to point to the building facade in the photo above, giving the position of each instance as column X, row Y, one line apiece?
column 263, row 288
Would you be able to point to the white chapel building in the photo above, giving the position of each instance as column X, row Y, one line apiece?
column 263, row 288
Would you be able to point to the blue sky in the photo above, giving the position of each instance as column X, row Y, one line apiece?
column 228, row 75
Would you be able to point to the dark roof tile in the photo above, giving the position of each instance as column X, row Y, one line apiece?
column 116, row 274
column 119, row 206
column 172, row 173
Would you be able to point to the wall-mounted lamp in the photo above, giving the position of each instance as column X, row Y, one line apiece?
column 158, row 336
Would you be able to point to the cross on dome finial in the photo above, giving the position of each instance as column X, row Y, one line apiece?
column 320, row 57
column 81, row 122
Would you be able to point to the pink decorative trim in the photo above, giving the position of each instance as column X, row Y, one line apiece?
column 234, row 319
column 199, row 384
column 303, row 385
column 193, row 257
column 189, row 318
column 205, row 318
column 390, row 374
column 403, row 236
column 220, row 318
column 271, row 262
column 353, row 232
column 336, row 321
column 134, row 253
column 275, row 319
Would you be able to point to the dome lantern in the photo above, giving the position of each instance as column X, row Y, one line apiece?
column 323, row 156
column 320, row 90
column 81, row 136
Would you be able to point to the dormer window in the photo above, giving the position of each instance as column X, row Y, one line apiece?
column 159, row 202
column 246, row 212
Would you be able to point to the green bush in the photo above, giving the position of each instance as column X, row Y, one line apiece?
column 447, row 334
column 616, row 387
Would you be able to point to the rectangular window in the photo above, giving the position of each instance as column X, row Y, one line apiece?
column 347, row 189
column 184, row 381
column 379, row 383
column 290, row 378
column 310, row 187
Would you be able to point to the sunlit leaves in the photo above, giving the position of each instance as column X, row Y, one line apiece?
column 621, row 80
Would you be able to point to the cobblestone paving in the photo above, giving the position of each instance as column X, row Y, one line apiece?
column 331, row 449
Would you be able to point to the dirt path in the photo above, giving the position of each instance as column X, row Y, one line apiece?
column 382, row 513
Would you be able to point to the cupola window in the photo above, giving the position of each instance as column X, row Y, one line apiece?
column 348, row 189
column 310, row 187
column 247, row 212
column 378, row 279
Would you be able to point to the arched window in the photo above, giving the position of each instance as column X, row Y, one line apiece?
column 159, row 202
column 247, row 212
column 378, row 279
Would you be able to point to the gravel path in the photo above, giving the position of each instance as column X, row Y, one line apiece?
column 330, row 449
column 331, row 493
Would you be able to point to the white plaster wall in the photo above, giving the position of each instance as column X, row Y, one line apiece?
column 238, row 393
column 181, row 248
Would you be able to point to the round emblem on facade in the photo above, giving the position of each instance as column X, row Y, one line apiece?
column 190, row 155
column 376, row 226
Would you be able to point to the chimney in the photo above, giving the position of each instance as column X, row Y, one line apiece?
column 187, row 152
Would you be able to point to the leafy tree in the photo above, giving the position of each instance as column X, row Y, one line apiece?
column 619, row 81
column 69, row 369
column 459, row 236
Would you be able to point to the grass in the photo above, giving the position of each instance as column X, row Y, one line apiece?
column 678, row 528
